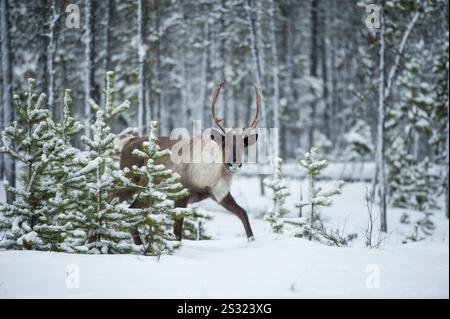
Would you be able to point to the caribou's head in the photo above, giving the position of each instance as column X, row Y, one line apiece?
column 235, row 141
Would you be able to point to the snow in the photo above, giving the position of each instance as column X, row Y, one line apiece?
column 234, row 269
column 335, row 170
column 270, row 267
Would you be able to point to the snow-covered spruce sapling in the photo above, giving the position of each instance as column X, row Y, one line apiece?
column 60, row 227
column 103, row 219
column 194, row 225
column 314, row 164
column 413, row 183
column 358, row 142
column 110, row 110
column 279, row 193
column 154, row 211
column 29, row 141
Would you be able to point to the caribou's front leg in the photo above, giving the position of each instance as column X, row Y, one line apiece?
column 230, row 204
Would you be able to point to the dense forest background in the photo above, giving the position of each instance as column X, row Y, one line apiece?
column 320, row 68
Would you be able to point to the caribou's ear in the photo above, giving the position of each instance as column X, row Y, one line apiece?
column 250, row 139
column 217, row 136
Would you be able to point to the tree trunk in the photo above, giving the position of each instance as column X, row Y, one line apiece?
column 206, row 76
column 141, row 72
column 89, row 60
column 8, row 111
column 333, row 80
column 107, row 44
column 288, row 86
column 447, row 151
column 157, row 86
column 275, row 71
column 41, row 39
column 184, row 119
column 256, row 54
column 51, row 51
column 380, row 130
column 324, row 65
column 254, row 36
column 313, row 68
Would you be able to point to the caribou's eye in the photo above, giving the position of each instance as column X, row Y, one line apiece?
column 249, row 140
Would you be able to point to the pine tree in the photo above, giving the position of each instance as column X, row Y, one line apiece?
column 440, row 115
column 358, row 141
column 194, row 224
column 154, row 210
column 280, row 191
column 60, row 228
column 410, row 123
column 29, row 140
column 314, row 164
column 102, row 221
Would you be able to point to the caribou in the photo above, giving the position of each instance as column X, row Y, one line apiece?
column 207, row 179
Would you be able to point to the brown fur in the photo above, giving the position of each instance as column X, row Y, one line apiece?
column 214, row 186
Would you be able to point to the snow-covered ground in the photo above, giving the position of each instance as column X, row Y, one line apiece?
column 269, row 267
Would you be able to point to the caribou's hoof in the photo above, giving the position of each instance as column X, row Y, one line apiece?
column 250, row 239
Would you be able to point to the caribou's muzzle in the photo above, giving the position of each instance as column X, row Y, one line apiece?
column 234, row 167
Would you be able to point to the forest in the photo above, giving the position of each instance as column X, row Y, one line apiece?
column 358, row 91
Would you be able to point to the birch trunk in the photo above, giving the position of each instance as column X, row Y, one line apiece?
column 380, row 129
column 383, row 95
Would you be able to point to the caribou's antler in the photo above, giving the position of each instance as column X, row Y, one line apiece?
column 253, row 124
column 213, row 107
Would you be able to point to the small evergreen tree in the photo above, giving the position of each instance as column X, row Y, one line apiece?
column 419, row 185
column 103, row 220
column 30, row 142
column 194, row 224
column 154, row 210
column 358, row 141
column 409, row 122
column 60, row 227
column 412, row 181
column 439, row 114
column 280, row 191
column 314, row 164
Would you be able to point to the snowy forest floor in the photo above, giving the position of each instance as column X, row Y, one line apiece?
column 270, row 267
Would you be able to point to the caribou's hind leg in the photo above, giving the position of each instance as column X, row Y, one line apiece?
column 178, row 225
column 135, row 232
